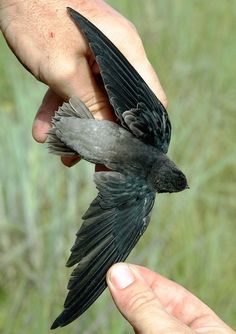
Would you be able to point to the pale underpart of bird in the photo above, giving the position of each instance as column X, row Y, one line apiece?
column 134, row 150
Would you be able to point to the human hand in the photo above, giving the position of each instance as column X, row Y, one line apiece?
column 153, row 304
column 49, row 45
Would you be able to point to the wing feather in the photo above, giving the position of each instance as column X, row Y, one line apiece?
column 112, row 225
column 126, row 89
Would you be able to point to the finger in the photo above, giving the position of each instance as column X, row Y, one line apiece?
column 85, row 84
column 178, row 301
column 138, row 303
column 78, row 79
column 70, row 161
column 42, row 122
column 149, row 75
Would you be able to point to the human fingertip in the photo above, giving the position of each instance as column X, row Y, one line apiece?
column 40, row 129
column 120, row 276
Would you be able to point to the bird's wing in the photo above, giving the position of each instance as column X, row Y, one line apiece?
column 136, row 106
column 112, row 225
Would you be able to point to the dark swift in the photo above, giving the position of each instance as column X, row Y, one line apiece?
column 133, row 149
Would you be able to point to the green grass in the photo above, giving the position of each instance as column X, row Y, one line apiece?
column 191, row 238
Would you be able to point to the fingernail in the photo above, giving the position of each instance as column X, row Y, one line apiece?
column 121, row 276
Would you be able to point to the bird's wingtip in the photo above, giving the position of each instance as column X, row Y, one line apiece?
column 54, row 325
column 57, row 323
column 72, row 12
column 69, row 9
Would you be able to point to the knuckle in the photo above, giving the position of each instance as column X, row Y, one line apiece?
column 55, row 71
column 164, row 100
column 135, row 38
column 132, row 27
column 62, row 70
column 139, row 301
column 128, row 30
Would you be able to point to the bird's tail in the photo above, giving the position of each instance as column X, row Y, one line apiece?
column 74, row 108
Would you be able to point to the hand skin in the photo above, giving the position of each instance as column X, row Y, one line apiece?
column 153, row 304
column 50, row 46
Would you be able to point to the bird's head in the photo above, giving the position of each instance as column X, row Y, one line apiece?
column 167, row 178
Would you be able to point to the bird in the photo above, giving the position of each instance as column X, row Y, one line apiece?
column 134, row 150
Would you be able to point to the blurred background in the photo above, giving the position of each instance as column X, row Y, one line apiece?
column 191, row 237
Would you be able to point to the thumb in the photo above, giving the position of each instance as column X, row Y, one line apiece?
column 138, row 303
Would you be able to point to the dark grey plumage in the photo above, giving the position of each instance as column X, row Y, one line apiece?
column 134, row 150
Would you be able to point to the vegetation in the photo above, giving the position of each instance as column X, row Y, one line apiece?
column 191, row 238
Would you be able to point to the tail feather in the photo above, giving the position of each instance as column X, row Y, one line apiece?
column 80, row 108
column 56, row 146
column 75, row 108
